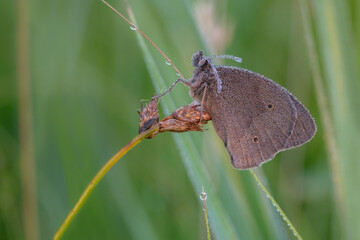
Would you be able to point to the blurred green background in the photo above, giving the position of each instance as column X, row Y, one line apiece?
column 71, row 78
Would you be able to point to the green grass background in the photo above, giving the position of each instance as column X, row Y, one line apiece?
column 88, row 75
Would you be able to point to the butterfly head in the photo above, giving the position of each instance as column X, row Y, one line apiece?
column 198, row 59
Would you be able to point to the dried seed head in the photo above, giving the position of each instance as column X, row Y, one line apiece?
column 191, row 113
column 174, row 125
column 185, row 119
column 149, row 116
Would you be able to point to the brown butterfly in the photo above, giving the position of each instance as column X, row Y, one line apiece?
column 254, row 116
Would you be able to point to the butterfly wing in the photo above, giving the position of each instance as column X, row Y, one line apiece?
column 255, row 117
column 305, row 127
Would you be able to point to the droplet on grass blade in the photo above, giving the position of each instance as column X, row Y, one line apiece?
column 203, row 196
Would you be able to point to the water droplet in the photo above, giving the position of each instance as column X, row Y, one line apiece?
column 203, row 196
column 132, row 28
column 284, row 219
column 277, row 210
column 273, row 204
column 178, row 75
column 168, row 63
column 295, row 235
column 267, row 196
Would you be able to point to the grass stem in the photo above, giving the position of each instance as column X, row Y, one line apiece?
column 203, row 197
column 85, row 195
column 25, row 123
column 276, row 205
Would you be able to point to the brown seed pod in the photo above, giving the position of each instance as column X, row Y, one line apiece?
column 149, row 116
column 185, row 119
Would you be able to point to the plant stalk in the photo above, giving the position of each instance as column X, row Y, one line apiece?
column 85, row 195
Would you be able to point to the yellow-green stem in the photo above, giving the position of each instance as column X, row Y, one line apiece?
column 25, row 121
column 98, row 177
column 203, row 197
column 207, row 222
column 276, row 205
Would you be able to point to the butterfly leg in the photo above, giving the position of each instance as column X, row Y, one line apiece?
column 202, row 103
column 186, row 83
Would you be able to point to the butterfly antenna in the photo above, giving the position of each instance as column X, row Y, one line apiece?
column 182, row 79
column 218, row 80
column 236, row 59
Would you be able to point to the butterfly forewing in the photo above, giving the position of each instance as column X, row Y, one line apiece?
column 255, row 118
column 304, row 129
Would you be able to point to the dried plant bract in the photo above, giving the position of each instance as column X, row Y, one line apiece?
column 185, row 119
column 149, row 116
